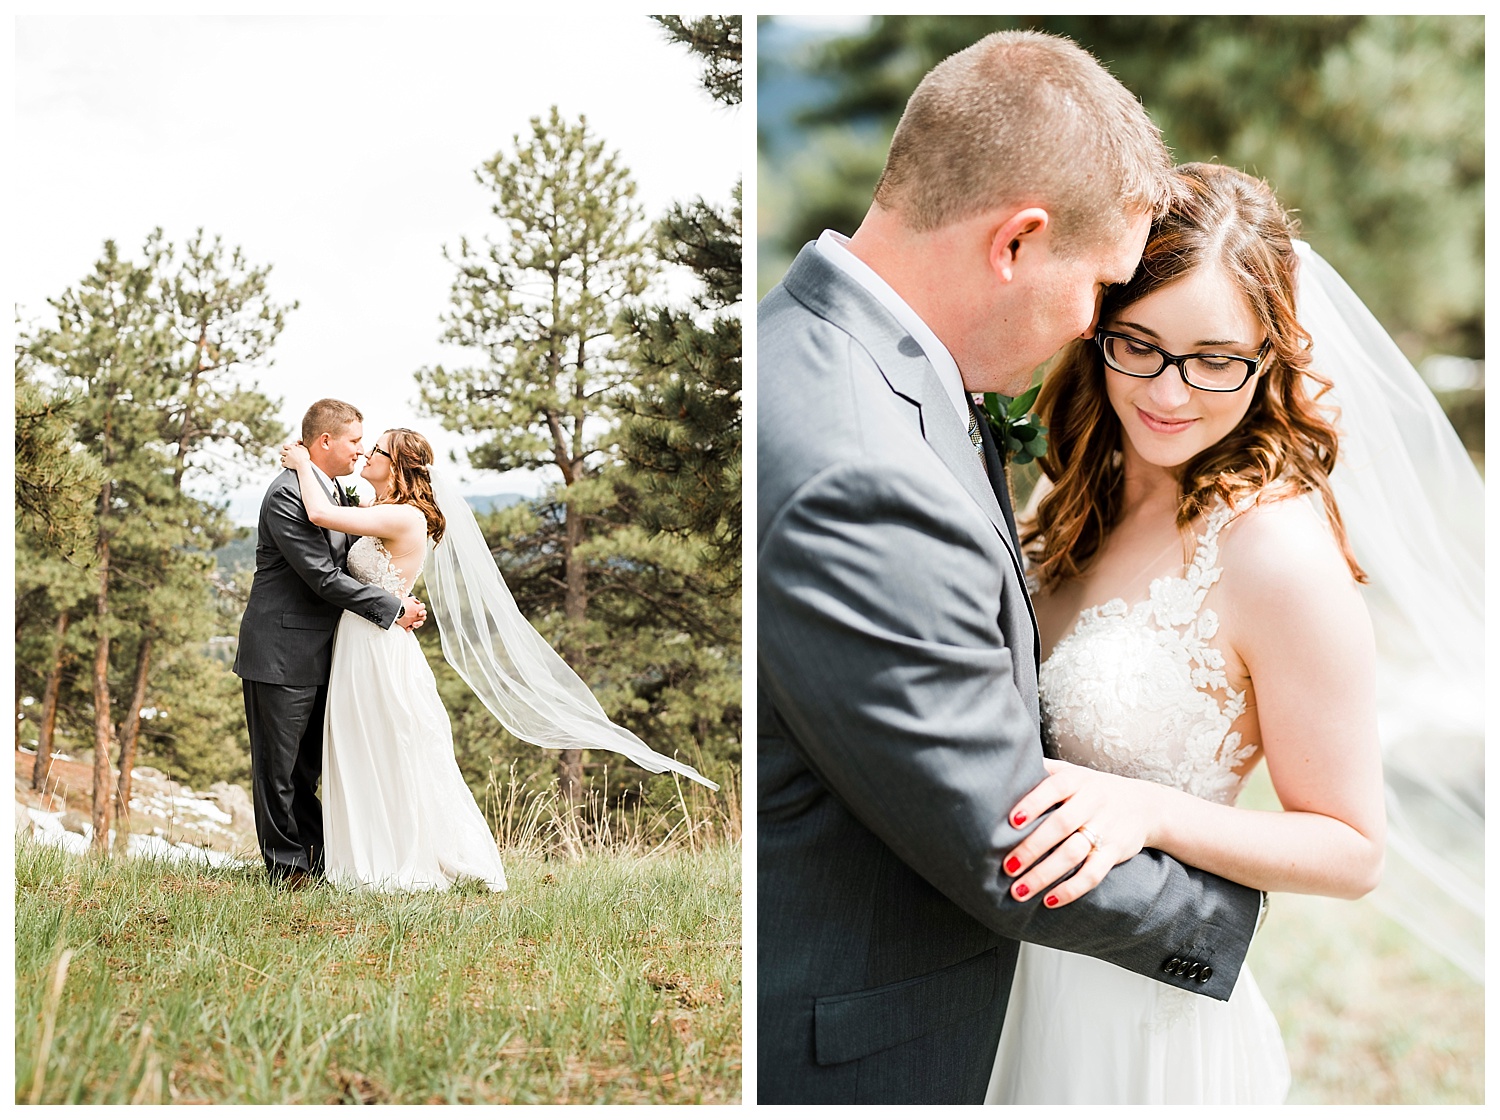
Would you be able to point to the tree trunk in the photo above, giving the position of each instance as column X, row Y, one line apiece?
column 128, row 738
column 49, row 708
column 20, row 710
column 100, row 818
column 575, row 610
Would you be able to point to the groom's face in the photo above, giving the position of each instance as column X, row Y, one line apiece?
column 344, row 450
column 1057, row 301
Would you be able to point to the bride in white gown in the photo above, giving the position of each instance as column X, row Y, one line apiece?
column 1200, row 610
column 397, row 814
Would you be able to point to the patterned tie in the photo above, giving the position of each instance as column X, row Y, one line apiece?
column 976, row 437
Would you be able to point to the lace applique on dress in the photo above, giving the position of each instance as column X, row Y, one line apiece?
column 1140, row 691
column 369, row 562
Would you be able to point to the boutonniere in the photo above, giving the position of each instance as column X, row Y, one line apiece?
column 1018, row 431
column 352, row 494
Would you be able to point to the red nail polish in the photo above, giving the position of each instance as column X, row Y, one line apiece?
column 1022, row 891
column 1019, row 818
column 1013, row 865
column 1051, row 900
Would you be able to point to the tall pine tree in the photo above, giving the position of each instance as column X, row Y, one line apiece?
column 153, row 354
column 537, row 303
column 683, row 435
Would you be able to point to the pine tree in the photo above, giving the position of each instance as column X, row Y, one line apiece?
column 537, row 303
column 55, row 480
column 153, row 355
column 718, row 42
column 222, row 324
column 55, row 477
column 683, row 436
column 109, row 346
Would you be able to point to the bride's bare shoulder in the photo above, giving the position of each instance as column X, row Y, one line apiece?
column 1283, row 551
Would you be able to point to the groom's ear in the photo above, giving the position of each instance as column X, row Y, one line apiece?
column 1016, row 234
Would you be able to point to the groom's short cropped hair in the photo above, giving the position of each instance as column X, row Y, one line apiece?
column 328, row 415
column 1025, row 118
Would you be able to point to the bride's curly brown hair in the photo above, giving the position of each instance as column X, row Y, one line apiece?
column 1286, row 444
column 411, row 478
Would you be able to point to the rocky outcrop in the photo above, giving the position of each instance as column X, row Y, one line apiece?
column 165, row 815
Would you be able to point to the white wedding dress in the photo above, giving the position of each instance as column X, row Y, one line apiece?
column 1141, row 691
column 397, row 815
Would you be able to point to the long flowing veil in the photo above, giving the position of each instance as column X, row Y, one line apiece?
column 1413, row 505
column 511, row 668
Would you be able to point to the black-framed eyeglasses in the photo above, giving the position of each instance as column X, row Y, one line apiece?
column 1213, row 373
column 382, row 451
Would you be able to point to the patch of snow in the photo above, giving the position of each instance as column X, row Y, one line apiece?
column 72, row 841
column 50, row 831
column 46, row 822
column 156, row 847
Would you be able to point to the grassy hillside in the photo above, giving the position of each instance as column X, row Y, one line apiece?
column 611, row 979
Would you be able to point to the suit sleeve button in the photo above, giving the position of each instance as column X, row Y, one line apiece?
column 1172, row 964
column 1192, row 971
column 1205, row 974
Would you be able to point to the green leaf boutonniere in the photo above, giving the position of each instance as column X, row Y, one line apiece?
column 352, row 494
column 1020, row 434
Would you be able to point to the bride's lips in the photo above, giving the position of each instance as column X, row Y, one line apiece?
column 1161, row 424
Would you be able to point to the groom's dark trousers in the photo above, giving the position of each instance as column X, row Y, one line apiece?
column 284, row 655
column 286, row 758
column 899, row 724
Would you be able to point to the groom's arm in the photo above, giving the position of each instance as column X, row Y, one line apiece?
column 880, row 645
column 306, row 549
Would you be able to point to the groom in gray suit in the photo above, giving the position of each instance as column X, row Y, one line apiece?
column 898, row 718
column 286, row 644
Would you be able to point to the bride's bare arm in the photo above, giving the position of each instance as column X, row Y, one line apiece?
column 391, row 522
column 1300, row 626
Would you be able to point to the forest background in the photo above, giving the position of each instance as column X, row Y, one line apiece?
column 1371, row 129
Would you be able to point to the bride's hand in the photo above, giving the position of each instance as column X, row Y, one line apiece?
column 294, row 455
column 1101, row 819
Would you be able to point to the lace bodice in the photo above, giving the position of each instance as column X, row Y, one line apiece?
column 369, row 562
column 1140, row 691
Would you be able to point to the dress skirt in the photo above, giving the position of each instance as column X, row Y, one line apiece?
column 1082, row 1031
column 397, row 814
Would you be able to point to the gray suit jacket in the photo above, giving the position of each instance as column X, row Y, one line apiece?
column 300, row 589
column 899, row 724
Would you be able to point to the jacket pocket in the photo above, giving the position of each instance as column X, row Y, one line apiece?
column 847, row 1027
column 307, row 621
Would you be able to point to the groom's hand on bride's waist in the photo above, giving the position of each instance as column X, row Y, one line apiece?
column 412, row 614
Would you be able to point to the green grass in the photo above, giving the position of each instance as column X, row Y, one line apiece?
column 1370, row 1014
column 615, row 978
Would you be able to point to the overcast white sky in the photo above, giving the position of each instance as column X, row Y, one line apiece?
column 340, row 150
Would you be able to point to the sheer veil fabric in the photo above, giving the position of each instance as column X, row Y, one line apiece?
column 511, row 668
column 1413, row 506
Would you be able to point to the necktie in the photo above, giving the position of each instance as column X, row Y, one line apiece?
column 974, row 435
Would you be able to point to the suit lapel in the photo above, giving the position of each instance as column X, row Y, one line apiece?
column 913, row 378
column 827, row 291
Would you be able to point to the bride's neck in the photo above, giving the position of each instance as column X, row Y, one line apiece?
column 1149, row 488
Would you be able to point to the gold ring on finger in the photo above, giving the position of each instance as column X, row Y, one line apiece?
column 1091, row 837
